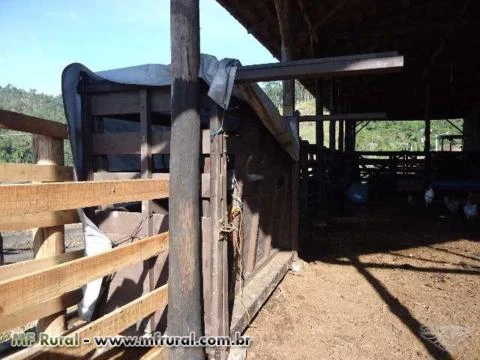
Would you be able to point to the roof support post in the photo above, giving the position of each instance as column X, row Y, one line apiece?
column 427, row 130
column 283, row 8
column 331, row 138
column 184, row 290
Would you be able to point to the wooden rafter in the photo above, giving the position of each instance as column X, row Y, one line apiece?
column 446, row 39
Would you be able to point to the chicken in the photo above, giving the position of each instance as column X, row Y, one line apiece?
column 453, row 205
column 429, row 195
column 470, row 208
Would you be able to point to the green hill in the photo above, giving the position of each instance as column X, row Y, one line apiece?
column 375, row 136
column 16, row 147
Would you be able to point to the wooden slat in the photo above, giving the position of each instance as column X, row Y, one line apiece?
column 114, row 322
column 315, row 68
column 130, row 142
column 104, row 175
column 25, row 267
column 34, row 198
column 40, row 310
column 30, row 172
column 43, row 285
column 52, row 218
column 14, row 121
column 108, row 325
column 128, row 102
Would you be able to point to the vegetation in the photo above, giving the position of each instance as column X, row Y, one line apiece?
column 375, row 136
column 16, row 147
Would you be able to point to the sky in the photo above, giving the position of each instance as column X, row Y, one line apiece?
column 39, row 38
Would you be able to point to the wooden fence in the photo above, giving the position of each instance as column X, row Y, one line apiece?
column 43, row 196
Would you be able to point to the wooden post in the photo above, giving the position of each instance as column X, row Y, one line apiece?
column 320, row 160
column 2, row 256
column 283, row 8
column 146, row 173
column 49, row 241
column 341, row 124
column 427, row 131
column 185, row 288
column 331, row 138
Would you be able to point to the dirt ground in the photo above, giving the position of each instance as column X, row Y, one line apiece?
column 398, row 282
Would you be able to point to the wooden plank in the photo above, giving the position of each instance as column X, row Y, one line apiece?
column 130, row 143
column 43, row 285
column 34, row 198
column 49, row 218
column 109, row 175
column 315, row 68
column 107, row 325
column 205, row 190
column 25, row 267
column 31, row 172
column 185, row 309
column 381, row 116
column 217, row 305
column 257, row 291
column 40, row 310
column 114, row 103
column 15, row 121
column 128, row 102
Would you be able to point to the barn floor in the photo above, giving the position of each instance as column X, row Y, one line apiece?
column 398, row 282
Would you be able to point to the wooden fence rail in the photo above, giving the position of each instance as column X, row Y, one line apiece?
column 35, row 198
column 33, row 288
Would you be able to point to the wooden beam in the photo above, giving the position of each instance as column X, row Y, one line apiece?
column 31, row 172
column 15, row 121
column 25, row 267
column 33, row 288
column 49, row 218
column 348, row 116
column 283, row 9
column 445, row 39
column 315, row 68
column 40, row 310
column 328, row 16
column 308, row 21
column 332, row 124
column 35, row 198
column 185, row 272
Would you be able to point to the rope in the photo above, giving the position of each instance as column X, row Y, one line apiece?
column 237, row 211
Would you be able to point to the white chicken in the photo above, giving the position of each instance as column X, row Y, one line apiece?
column 429, row 195
column 470, row 208
column 453, row 205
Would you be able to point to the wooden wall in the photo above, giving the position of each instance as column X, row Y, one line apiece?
column 258, row 174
